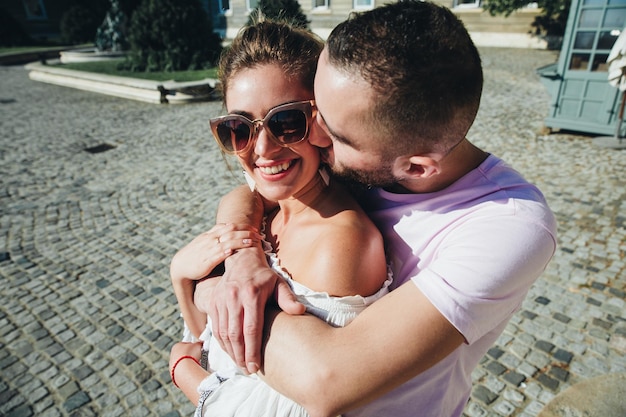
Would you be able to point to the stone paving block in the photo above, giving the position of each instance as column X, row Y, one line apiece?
column 504, row 408
column 599, row 334
column 600, row 348
column 533, row 389
column 46, row 409
column 494, row 384
column 81, row 230
column 10, row 399
column 559, row 374
column 538, row 359
column 534, row 408
column 547, row 381
column 544, row 346
column 514, row 397
column 495, row 368
column 514, row 378
column 108, row 399
column 20, row 411
column 483, row 394
column 510, row 361
column 563, row 356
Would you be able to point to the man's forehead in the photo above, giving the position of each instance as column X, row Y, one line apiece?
column 344, row 102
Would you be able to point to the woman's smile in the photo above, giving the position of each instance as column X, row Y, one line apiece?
column 276, row 168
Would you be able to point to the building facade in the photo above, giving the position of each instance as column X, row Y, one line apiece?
column 512, row 31
column 41, row 18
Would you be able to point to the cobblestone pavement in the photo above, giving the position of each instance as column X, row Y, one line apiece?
column 87, row 315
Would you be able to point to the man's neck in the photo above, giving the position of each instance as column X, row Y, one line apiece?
column 460, row 161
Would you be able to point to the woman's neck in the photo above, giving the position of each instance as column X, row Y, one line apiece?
column 307, row 198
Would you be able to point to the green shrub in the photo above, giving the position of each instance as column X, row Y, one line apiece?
column 550, row 22
column 171, row 35
column 111, row 35
column 79, row 24
column 289, row 10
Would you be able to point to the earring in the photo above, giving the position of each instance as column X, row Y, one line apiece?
column 249, row 180
column 324, row 174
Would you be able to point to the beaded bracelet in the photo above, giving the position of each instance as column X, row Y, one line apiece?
column 176, row 364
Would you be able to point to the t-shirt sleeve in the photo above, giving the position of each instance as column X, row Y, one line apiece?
column 483, row 270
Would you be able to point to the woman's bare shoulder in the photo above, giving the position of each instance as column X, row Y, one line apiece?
column 347, row 255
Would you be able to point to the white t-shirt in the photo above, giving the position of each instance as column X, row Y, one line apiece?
column 474, row 249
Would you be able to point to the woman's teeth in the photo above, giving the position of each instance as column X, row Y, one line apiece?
column 275, row 169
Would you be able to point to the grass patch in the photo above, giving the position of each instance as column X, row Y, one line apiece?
column 8, row 50
column 21, row 49
column 110, row 68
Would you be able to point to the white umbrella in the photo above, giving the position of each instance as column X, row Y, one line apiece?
column 617, row 78
column 617, row 62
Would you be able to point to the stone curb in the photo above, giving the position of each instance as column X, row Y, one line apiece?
column 171, row 92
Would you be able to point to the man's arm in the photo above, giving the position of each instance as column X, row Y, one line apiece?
column 338, row 369
column 241, row 206
column 236, row 304
column 403, row 334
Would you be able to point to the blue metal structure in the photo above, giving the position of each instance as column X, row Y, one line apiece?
column 582, row 99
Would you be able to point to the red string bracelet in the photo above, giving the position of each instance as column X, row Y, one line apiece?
column 176, row 364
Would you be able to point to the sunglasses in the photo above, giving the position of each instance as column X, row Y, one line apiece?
column 285, row 125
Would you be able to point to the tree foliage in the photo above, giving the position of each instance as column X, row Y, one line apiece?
column 111, row 35
column 551, row 22
column 171, row 35
column 288, row 10
column 79, row 24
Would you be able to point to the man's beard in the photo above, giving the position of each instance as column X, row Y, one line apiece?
column 359, row 181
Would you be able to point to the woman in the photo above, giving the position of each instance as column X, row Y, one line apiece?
column 317, row 238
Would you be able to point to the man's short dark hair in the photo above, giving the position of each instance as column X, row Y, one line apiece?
column 422, row 64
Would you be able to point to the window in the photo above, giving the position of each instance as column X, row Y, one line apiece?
column 252, row 4
column 321, row 4
column 35, row 9
column 224, row 6
column 363, row 4
column 466, row 4
column 599, row 25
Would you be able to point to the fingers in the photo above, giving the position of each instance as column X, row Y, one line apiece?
column 243, row 344
column 220, row 327
column 203, row 254
column 237, row 305
column 237, row 322
column 235, row 337
column 253, row 321
column 228, row 238
column 207, row 251
column 287, row 300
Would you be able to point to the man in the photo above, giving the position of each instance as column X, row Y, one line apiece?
column 397, row 89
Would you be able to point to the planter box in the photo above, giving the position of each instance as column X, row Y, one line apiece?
column 131, row 88
column 88, row 55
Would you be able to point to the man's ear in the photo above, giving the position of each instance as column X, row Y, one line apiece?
column 416, row 167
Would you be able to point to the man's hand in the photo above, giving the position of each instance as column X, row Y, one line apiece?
column 236, row 305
